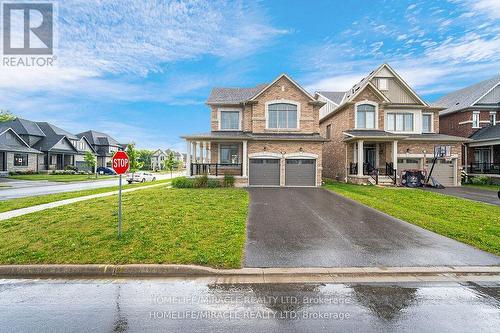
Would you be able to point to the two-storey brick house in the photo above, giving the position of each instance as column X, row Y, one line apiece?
column 473, row 112
column 266, row 135
column 382, row 125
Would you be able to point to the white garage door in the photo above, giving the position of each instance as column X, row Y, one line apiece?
column 264, row 172
column 300, row 172
column 444, row 172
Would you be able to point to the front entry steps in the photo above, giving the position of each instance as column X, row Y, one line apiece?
column 382, row 181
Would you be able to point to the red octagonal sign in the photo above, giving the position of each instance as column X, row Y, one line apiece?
column 120, row 162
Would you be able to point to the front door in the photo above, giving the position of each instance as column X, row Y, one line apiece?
column 369, row 155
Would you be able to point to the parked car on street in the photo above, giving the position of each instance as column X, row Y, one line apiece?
column 105, row 171
column 140, row 177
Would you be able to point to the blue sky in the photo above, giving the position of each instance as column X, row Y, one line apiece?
column 142, row 70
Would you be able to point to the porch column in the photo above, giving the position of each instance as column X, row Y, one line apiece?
column 465, row 158
column 195, row 149
column 360, row 158
column 209, row 152
column 377, row 153
column 395, row 154
column 188, row 159
column 205, row 150
column 245, row 159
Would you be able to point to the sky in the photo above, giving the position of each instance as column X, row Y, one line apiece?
column 142, row 70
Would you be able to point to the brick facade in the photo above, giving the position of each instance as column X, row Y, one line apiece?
column 450, row 123
column 32, row 163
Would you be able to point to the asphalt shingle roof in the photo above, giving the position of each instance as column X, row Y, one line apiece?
column 99, row 138
column 24, row 127
column 254, row 136
column 334, row 96
column 53, row 135
column 465, row 97
column 57, row 130
column 487, row 133
column 6, row 146
column 233, row 95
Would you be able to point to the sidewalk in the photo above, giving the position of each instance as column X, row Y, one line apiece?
column 37, row 208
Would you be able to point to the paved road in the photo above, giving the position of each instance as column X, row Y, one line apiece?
column 305, row 227
column 471, row 193
column 21, row 189
column 193, row 306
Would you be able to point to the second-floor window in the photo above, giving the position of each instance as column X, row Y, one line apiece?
column 328, row 131
column 282, row 116
column 229, row 120
column 400, row 122
column 493, row 118
column 426, row 123
column 365, row 116
column 475, row 120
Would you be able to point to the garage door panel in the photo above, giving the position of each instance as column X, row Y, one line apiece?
column 264, row 172
column 300, row 172
column 444, row 172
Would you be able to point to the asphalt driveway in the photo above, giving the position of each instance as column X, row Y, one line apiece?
column 308, row 227
column 471, row 193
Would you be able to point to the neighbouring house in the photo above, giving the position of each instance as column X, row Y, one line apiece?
column 157, row 159
column 267, row 135
column 381, row 126
column 473, row 112
column 15, row 153
column 103, row 144
column 55, row 144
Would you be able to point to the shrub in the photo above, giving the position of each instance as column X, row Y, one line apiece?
column 63, row 172
column 71, row 167
column 213, row 183
column 182, row 182
column 27, row 172
column 481, row 180
column 228, row 181
column 201, row 181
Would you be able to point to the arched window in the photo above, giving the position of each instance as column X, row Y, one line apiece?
column 282, row 116
column 365, row 116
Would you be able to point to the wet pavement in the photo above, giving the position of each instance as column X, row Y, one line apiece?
column 173, row 305
column 309, row 227
column 471, row 193
column 20, row 189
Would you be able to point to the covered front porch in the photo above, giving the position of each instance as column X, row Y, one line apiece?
column 59, row 160
column 483, row 158
column 372, row 160
column 217, row 157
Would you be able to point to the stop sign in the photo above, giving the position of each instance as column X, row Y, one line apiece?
column 120, row 162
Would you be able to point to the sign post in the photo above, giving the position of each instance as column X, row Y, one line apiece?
column 120, row 163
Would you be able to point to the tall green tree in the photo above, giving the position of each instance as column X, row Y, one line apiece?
column 6, row 115
column 171, row 163
column 133, row 156
column 145, row 156
column 90, row 162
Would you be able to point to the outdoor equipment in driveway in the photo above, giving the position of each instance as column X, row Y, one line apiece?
column 264, row 172
column 412, row 178
column 300, row 172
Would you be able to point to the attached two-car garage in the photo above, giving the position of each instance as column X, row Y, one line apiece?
column 267, row 172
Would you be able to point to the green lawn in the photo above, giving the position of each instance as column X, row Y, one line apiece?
column 484, row 187
column 467, row 221
column 60, row 178
column 160, row 225
column 12, row 204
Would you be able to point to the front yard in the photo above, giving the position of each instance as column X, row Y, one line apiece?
column 160, row 225
column 467, row 221
column 60, row 178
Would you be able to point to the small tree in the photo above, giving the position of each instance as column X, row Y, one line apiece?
column 133, row 156
column 5, row 115
column 170, row 163
column 90, row 162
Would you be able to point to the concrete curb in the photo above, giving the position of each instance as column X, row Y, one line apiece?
column 152, row 270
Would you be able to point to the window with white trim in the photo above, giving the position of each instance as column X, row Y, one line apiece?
column 426, row 123
column 229, row 154
column 475, row 119
column 382, row 84
column 20, row 159
column 365, row 116
column 400, row 122
column 493, row 118
column 282, row 116
column 229, row 120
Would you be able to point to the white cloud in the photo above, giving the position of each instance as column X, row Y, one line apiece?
column 490, row 8
column 470, row 48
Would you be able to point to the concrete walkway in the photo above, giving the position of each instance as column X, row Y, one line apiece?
column 37, row 208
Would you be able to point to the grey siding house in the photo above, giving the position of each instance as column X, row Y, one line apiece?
column 104, row 146
column 15, row 153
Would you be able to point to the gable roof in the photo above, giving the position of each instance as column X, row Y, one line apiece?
column 99, row 138
column 335, row 97
column 5, row 146
column 289, row 79
column 487, row 133
column 24, row 127
column 51, row 128
column 53, row 135
column 467, row 96
column 233, row 95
